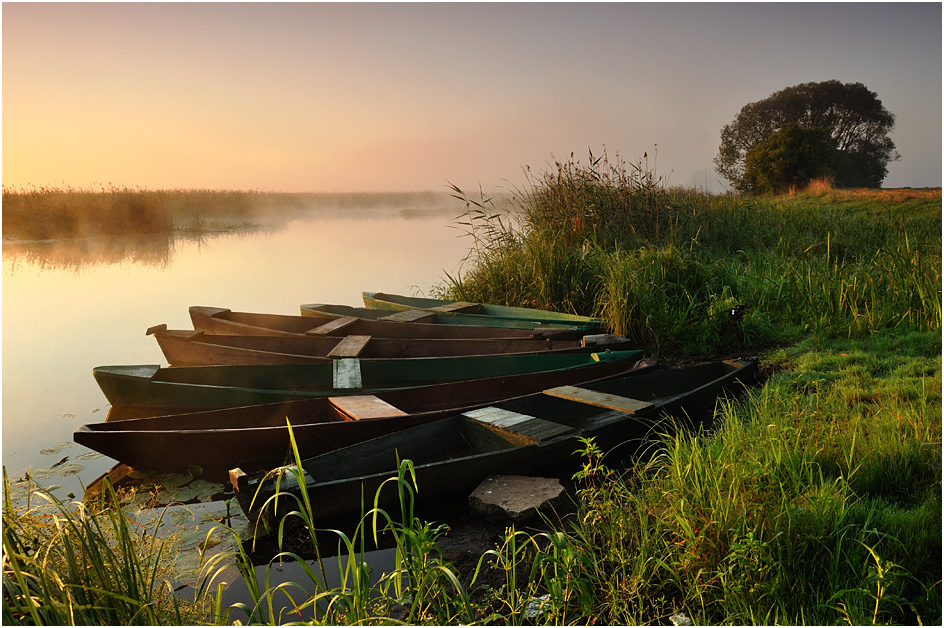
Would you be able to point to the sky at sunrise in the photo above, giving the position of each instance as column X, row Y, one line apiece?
column 385, row 97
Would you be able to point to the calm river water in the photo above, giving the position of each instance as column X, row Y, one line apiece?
column 71, row 305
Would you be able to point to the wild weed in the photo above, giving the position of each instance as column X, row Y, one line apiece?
column 67, row 564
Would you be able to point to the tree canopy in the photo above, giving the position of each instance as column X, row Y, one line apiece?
column 791, row 156
column 857, row 122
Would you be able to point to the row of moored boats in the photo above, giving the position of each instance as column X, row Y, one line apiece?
column 463, row 390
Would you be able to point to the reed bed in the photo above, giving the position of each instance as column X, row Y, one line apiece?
column 42, row 213
column 666, row 267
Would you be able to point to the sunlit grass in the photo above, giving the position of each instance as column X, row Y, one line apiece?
column 73, row 564
column 663, row 266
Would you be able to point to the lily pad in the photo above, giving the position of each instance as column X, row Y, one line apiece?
column 185, row 564
column 72, row 468
column 175, row 480
column 193, row 538
column 139, row 474
column 92, row 455
column 55, row 449
column 42, row 473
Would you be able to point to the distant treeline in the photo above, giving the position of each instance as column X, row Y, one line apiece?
column 49, row 212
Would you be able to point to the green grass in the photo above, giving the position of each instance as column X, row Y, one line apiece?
column 665, row 266
column 72, row 564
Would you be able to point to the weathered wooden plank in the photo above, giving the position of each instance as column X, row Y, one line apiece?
column 347, row 374
column 499, row 417
column 335, row 324
column 598, row 340
column 524, row 424
column 365, row 407
column 458, row 306
column 349, row 347
column 409, row 316
column 539, row 429
column 595, row 398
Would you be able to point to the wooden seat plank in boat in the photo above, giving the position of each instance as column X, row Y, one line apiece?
column 347, row 374
column 457, row 307
column 410, row 316
column 600, row 399
column 333, row 325
column 526, row 425
column 349, row 347
column 365, row 407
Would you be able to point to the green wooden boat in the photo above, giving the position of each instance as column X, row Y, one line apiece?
column 216, row 320
column 320, row 310
column 256, row 437
column 396, row 302
column 190, row 388
column 525, row 436
column 187, row 347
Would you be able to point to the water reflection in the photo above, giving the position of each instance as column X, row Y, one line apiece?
column 71, row 305
column 73, row 255
column 159, row 250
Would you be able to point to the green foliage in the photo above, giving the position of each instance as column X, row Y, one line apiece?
column 791, row 157
column 789, row 513
column 65, row 564
column 848, row 265
column 857, row 121
column 423, row 585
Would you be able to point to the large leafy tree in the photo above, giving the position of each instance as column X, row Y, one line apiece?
column 856, row 119
column 791, row 156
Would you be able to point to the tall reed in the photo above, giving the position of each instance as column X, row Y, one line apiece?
column 66, row 564
column 422, row 584
column 665, row 266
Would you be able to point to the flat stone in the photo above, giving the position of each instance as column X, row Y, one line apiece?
column 516, row 497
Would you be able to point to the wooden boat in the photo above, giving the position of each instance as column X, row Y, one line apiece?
column 532, row 434
column 396, row 302
column 217, row 320
column 197, row 348
column 320, row 310
column 188, row 388
column 255, row 437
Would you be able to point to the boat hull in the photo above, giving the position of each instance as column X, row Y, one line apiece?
column 197, row 348
column 216, row 320
column 396, row 302
column 532, row 434
column 192, row 388
column 257, row 436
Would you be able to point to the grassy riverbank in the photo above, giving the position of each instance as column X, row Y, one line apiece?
column 814, row 499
